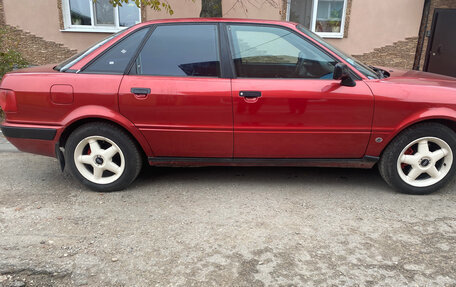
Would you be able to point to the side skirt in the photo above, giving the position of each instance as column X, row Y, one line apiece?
column 366, row 162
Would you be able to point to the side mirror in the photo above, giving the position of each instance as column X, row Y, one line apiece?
column 342, row 73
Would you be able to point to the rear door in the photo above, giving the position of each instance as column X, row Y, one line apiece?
column 176, row 96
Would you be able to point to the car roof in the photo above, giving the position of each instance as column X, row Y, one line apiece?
column 219, row 20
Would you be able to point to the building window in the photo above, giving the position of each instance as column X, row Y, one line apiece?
column 324, row 17
column 99, row 16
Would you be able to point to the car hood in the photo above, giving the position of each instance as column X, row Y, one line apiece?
column 413, row 77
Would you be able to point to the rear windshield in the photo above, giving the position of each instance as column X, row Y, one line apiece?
column 68, row 63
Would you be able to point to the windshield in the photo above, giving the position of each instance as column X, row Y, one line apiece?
column 364, row 69
column 68, row 63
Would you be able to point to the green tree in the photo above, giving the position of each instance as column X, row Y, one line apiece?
column 157, row 5
column 209, row 8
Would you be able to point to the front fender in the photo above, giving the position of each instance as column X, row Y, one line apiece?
column 426, row 115
column 386, row 135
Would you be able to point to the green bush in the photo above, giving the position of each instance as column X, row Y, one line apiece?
column 11, row 60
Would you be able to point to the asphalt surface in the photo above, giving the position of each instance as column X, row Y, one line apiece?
column 221, row 227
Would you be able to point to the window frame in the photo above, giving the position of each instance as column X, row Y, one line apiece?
column 231, row 60
column 68, row 27
column 227, row 67
column 132, row 59
column 113, row 46
column 313, row 21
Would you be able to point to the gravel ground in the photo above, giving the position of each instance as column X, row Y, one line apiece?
column 221, row 227
column 5, row 146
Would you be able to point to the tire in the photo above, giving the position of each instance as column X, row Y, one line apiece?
column 102, row 157
column 420, row 160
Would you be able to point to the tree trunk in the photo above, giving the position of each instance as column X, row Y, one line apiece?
column 211, row 8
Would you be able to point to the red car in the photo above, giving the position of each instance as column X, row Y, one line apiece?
column 202, row 92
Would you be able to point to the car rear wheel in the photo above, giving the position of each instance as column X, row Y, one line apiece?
column 103, row 157
column 420, row 160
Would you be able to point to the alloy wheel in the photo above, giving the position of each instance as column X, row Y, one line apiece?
column 99, row 160
column 425, row 161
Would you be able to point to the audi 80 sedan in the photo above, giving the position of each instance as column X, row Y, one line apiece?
column 204, row 92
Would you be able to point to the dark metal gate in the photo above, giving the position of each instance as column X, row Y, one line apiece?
column 441, row 50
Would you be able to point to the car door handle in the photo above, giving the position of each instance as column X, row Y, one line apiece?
column 250, row 94
column 140, row 92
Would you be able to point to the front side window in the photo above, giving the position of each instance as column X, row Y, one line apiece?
column 180, row 50
column 99, row 16
column 324, row 17
column 116, row 59
column 364, row 69
column 272, row 52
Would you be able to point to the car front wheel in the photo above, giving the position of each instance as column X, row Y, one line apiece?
column 103, row 157
column 420, row 160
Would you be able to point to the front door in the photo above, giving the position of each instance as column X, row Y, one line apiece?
column 175, row 96
column 285, row 102
column 441, row 53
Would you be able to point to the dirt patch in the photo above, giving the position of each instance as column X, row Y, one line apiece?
column 222, row 227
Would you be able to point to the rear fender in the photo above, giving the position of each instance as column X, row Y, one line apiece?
column 99, row 112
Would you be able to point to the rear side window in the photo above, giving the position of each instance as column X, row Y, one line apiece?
column 180, row 50
column 116, row 59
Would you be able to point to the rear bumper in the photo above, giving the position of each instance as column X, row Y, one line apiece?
column 30, row 138
column 29, row 133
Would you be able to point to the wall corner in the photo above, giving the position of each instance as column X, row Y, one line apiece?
column 2, row 14
column 60, row 11
column 347, row 17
